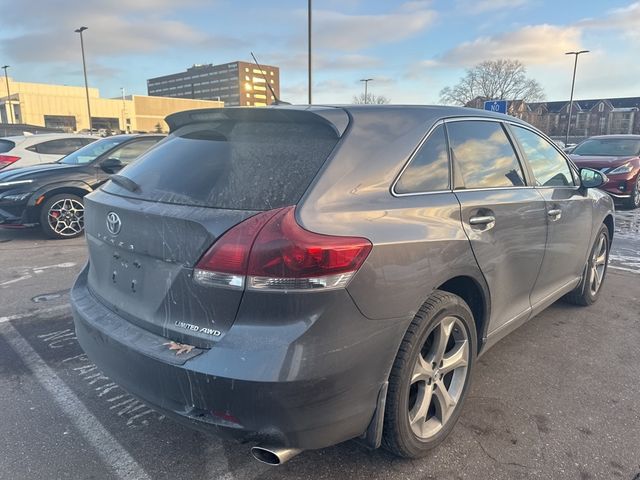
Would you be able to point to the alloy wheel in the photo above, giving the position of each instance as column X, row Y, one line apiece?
column 66, row 217
column 636, row 193
column 598, row 264
column 438, row 377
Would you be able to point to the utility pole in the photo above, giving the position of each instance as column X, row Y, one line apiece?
column 8, row 105
column 366, row 83
column 124, row 112
column 573, row 82
column 309, row 45
column 84, row 68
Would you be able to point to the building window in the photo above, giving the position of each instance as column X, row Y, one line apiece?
column 64, row 122
column 601, row 107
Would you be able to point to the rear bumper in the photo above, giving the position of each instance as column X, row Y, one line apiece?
column 304, row 393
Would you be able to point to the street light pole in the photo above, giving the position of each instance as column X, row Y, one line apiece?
column 366, row 83
column 84, row 69
column 573, row 83
column 124, row 112
column 8, row 105
column 309, row 47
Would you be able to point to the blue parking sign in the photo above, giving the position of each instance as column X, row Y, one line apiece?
column 498, row 106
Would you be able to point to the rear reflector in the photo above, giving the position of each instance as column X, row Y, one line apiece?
column 6, row 160
column 273, row 252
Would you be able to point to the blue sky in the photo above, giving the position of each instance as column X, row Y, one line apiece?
column 412, row 49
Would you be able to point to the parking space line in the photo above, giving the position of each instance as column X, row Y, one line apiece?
column 107, row 447
column 34, row 313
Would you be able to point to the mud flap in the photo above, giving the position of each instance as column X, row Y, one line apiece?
column 372, row 437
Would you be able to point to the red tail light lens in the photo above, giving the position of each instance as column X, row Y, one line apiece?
column 275, row 253
column 6, row 160
column 225, row 263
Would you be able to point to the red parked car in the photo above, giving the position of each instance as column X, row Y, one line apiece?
column 618, row 157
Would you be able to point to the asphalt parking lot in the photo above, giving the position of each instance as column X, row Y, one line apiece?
column 559, row 398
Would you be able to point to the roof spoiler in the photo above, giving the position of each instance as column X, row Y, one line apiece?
column 336, row 118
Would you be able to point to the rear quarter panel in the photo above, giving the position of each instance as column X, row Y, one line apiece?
column 419, row 242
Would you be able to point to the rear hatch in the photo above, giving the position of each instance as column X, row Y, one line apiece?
column 216, row 169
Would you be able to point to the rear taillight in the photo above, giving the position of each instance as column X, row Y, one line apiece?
column 6, row 160
column 270, row 251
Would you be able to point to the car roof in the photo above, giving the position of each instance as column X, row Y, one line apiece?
column 620, row 136
column 38, row 137
column 339, row 115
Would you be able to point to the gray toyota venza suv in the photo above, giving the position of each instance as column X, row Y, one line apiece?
column 300, row 276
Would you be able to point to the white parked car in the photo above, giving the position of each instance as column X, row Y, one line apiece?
column 25, row 150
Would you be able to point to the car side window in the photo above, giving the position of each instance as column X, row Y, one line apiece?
column 483, row 155
column 62, row 146
column 429, row 167
column 129, row 152
column 549, row 167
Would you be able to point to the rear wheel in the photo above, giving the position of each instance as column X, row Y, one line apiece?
column 62, row 216
column 588, row 291
column 634, row 200
column 430, row 376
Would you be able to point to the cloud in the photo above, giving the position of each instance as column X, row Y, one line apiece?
column 625, row 20
column 474, row 7
column 116, row 28
column 326, row 61
column 356, row 32
column 535, row 44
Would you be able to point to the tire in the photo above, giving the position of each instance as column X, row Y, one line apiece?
column 584, row 294
column 62, row 216
column 633, row 202
column 405, row 432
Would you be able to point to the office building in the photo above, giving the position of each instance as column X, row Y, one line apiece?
column 65, row 107
column 236, row 84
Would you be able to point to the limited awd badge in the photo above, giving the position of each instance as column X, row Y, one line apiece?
column 113, row 223
column 196, row 328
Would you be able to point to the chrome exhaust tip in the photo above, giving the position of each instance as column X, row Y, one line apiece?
column 273, row 455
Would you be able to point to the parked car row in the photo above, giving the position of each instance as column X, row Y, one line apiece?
column 51, row 195
column 25, row 150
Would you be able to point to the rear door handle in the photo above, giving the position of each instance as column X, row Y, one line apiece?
column 555, row 213
column 482, row 220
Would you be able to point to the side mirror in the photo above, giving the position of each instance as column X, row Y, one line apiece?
column 590, row 178
column 111, row 165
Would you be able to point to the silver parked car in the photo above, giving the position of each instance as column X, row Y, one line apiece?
column 300, row 276
column 25, row 150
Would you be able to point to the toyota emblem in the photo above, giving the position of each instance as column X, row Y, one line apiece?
column 113, row 223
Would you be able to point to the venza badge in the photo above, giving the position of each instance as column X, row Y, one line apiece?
column 113, row 223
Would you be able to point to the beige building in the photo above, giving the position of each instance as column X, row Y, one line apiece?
column 62, row 106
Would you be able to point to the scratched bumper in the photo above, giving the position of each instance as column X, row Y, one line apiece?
column 254, row 384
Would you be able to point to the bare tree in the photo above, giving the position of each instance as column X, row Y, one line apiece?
column 494, row 79
column 371, row 99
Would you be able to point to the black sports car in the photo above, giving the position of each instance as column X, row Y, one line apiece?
column 51, row 195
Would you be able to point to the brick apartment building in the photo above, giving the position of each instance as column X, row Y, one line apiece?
column 603, row 116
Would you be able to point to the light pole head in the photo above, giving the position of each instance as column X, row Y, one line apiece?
column 81, row 29
column 577, row 53
column 5, row 67
column 366, row 79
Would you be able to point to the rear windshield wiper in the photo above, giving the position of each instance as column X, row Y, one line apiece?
column 125, row 182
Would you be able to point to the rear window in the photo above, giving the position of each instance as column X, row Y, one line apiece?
column 6, row 145
column 232, row 164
